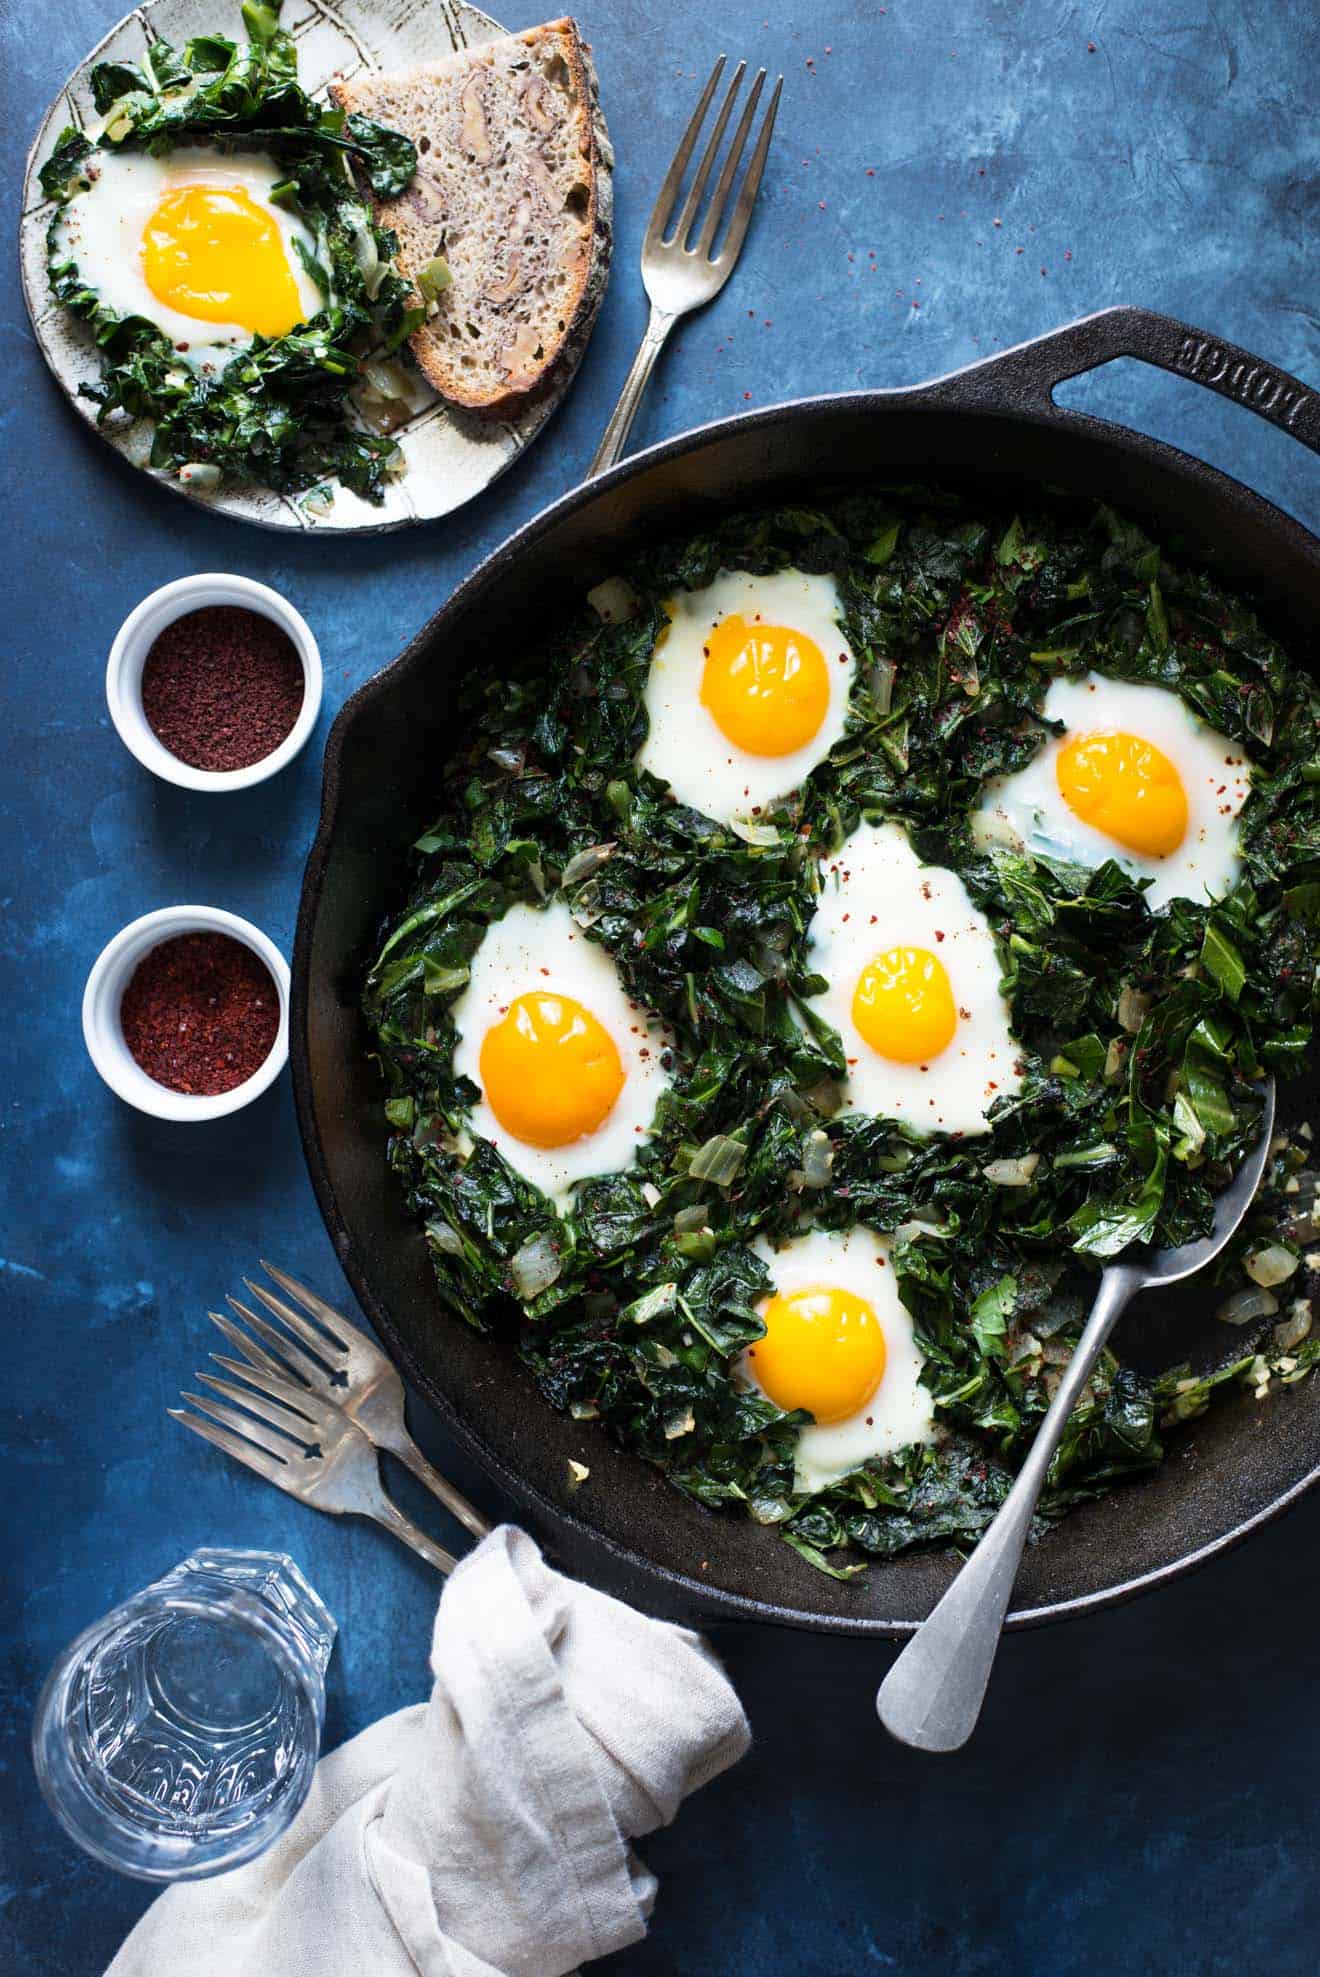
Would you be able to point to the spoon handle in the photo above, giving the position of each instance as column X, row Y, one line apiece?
column 932, row 1695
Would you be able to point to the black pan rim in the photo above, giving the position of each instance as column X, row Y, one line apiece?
column 703, row 1600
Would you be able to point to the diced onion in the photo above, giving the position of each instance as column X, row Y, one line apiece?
column 387, row 380
column 756, row 834
column 614, row 600
column 1115, row 1058
column 203, row 476
column 681, row 1422
column 434, row 279
column 1290, row 1331
column 512, row 760
column 584, row 864
column 1132, row 1009
column 882, row 684
column 909, row 1231
column 817, row 1160
column 369, row 264
column 1243, row 1306
column 577, row 1474
column 1269, row 1266
column 1012, row 1173
column 535, row 1266
column 719, row 1160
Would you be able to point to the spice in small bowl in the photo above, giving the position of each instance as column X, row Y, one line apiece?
column 214, row 682
column 222, row 687
column 201, row 1013
column 185, row 1013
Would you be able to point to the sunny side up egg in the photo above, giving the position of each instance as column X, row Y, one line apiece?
column 1135, row 777
column 747, row 691
column 913, row 987
column 194, row 243
column 569, row 1068
column 838, row 1343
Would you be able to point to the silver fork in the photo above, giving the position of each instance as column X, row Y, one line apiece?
column 302, row 1444
column 340, row 1363
column 328, row 1377
column 679, row 277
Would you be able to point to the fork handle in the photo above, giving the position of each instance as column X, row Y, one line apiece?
column 932, row 1696
column 621, row 419
column 453, row 1500
column 383, row 1511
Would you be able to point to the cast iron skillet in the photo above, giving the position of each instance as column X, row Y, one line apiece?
column 992, row 427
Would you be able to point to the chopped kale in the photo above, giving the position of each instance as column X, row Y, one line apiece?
column 277, row 414
column 1141, row 1033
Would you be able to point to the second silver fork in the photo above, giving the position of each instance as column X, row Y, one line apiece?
column 307, row 1406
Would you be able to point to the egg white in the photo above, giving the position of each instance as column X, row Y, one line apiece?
column 543, row 950
column 1028, row 811
column 685, row 747
column 101, row 230
column 900, row 1411
column 876, row 894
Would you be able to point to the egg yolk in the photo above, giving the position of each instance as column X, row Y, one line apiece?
column 767, row 687
column 550, row 1070
column 903, row 1005
column 210, row 251
column 823, row 1350
column 1125, row 787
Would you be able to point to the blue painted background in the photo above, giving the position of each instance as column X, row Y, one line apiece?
column 1141, row 1792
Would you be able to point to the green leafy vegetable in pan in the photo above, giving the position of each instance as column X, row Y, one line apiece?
column 1140, row 1032
column 277, row 411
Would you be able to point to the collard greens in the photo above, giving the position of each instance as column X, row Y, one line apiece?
column 277, row 414
column 1140, row 1033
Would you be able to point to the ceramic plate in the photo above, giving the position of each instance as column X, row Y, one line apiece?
column 450, row 455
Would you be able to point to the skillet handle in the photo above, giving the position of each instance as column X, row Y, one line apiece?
column 1024, row 378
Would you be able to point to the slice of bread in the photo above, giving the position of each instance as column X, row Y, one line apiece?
column 514, row 190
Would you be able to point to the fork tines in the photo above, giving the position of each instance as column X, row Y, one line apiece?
column 659, row 230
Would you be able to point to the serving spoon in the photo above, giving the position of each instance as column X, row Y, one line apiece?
column 931, row 1697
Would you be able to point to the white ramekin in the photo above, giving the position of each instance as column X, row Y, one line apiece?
column 139, row 632
column 110, row 976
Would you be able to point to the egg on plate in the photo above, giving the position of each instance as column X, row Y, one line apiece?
column 913, row 987
column 747, row 691
column 838, row 1343
column 569, row 1068
column 195, row 244
column 1136, row 777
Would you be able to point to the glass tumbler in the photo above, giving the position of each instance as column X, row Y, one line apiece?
column 177, row 1737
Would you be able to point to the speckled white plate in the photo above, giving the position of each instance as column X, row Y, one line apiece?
column 450, row 455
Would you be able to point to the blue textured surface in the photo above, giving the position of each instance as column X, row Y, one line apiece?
column 1141, row 1792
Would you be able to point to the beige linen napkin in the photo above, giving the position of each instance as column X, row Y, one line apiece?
column 485, row 1833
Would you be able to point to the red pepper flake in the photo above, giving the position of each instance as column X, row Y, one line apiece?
column 222, row 687
column 201, row 1013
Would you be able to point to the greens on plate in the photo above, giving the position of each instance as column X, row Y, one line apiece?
column 213, row 172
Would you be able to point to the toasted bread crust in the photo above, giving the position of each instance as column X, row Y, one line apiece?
column 515, row 189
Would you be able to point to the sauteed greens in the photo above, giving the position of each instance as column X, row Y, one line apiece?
column 1140, row 1033
column 278, row 413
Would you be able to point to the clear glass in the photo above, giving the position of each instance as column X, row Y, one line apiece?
column 178, row 1736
